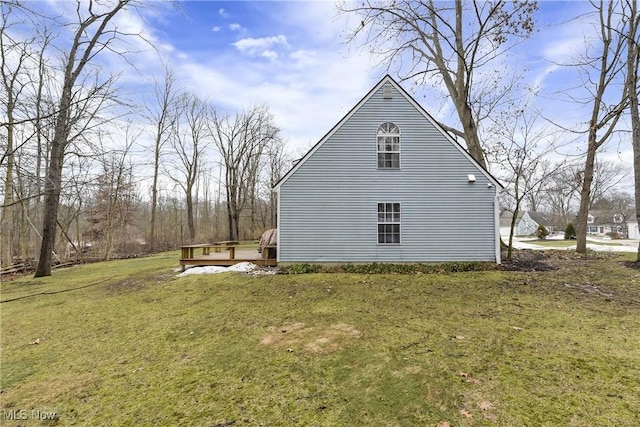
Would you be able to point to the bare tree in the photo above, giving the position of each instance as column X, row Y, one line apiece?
column 22, row 79
column 92, row 34
column 521, row 150
column 602, row 68
column 115, row 193
column 277, row 160
column 451, row 43
column 606, row 176
column 161, row 112
column 241, row 141
column 562, row 190
column 622, row 206
column 13, row 58
column 189, row 139
column 79, row 180
column 632, row 87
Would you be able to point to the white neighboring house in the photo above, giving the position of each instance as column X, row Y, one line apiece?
column 600, row 223
column 632, row 228
column 530, row 222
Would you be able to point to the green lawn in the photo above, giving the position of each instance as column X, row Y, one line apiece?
column 128, row 343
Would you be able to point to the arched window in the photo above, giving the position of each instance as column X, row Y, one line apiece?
column 388, row 146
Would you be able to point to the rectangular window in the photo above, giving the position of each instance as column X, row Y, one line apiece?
column 388, row 223
column 388, row 152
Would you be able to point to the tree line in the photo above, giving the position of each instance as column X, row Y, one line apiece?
column 76, row 172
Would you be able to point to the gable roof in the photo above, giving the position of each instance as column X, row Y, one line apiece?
column 603, row 217
column 540, row 218
column 507, row 216
column 386, row 79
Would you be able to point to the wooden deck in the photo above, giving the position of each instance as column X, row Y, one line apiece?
column 227, row 255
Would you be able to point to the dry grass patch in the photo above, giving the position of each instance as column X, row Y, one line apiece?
column 42, row 393
column 312, row 339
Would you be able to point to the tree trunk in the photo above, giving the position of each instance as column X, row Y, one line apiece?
column 236, row 220
column 154, row 203
column 511, row 230
column 51, row 202
column 587, row 179
column 471, row 135
column 6, row 219
column 190, row 222
column 633, row 63
column 230, row 220
column 636, row 163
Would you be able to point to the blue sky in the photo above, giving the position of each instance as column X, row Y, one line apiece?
column 288, row 55
column 292, row 56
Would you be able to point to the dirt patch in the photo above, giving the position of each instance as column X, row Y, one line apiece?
column 311, row 339
column 133, row 285
column 550, row 260
column 528, row 260
column 125, row 286
column 594, row 274
column 631, row 264
column 590, row 289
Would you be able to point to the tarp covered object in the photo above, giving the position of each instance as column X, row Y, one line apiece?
column 268, row 238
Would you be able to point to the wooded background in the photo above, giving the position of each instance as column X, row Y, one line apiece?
column 88, row 170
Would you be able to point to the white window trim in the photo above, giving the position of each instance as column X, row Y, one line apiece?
column 399, row 152
column 399, row 224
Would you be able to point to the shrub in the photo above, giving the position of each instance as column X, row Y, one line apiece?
column 542, row 232
column 300, row 269
column 570, row 231
column 615, row 235
column 389, row 268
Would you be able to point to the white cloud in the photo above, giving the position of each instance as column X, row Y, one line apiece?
column 304, row 58
column 310, row 86
column 223, row 13
column 215, row 29
column 270, row 54
column 253, row 46
column 235, row 27
column 305, row 109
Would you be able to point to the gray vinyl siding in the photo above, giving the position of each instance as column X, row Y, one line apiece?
column 328, row 206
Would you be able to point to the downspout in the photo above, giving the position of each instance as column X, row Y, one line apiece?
column 496, row 215
column 278, row 226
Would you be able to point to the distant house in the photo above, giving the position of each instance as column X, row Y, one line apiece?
column 632, row 228
column 387, row 184
column 527, row 223
column 531, row 221
column 602, row 222
column 505, row 222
